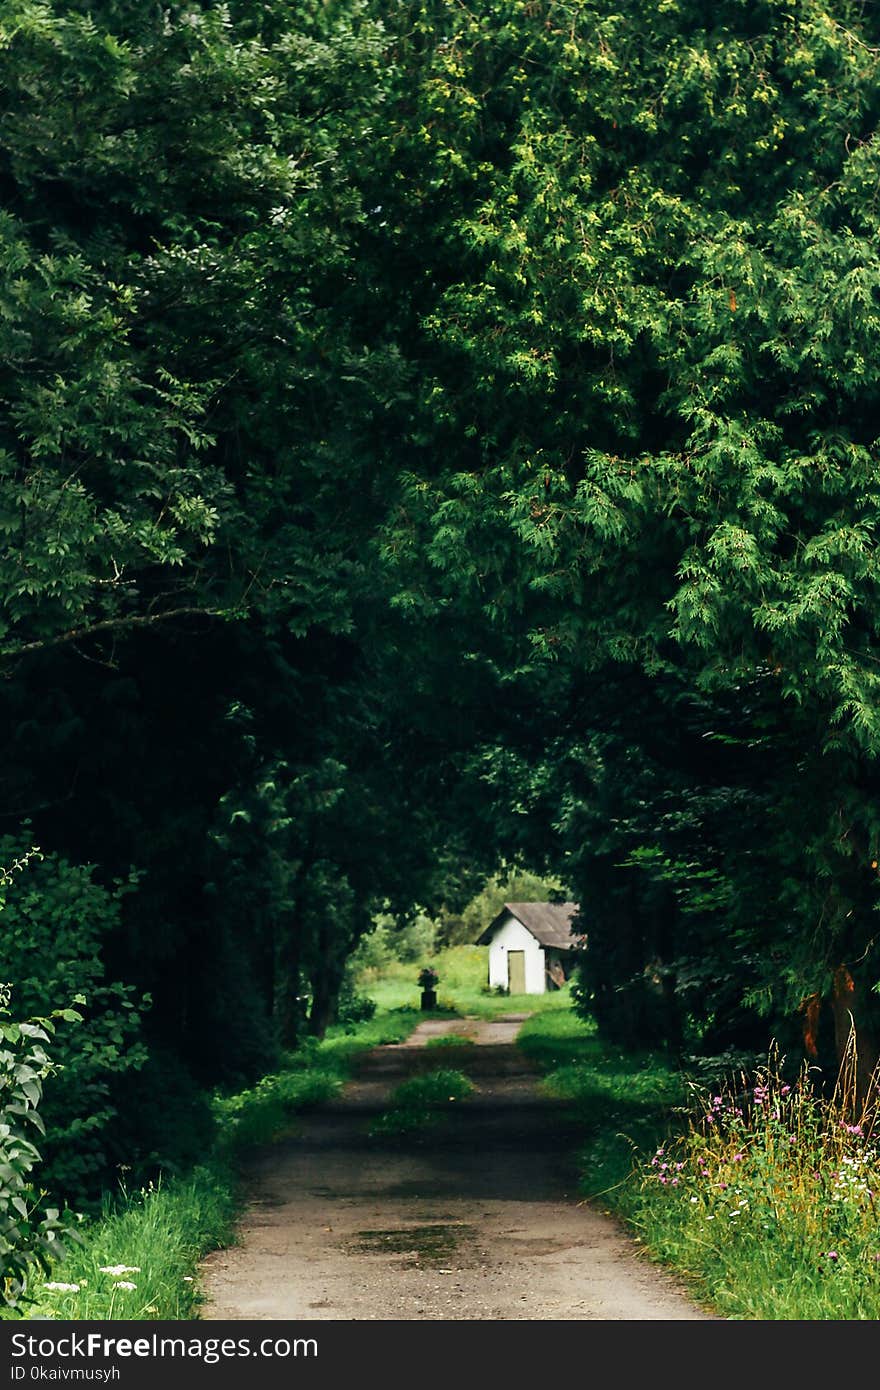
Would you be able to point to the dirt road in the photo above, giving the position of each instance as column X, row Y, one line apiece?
column 478, row 1221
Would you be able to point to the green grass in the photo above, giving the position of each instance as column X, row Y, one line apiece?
column 450, row 1040
column 157, row 1235
column 160, row 1233
column 463, row 972
column 389, row 1025
column 421, row 1102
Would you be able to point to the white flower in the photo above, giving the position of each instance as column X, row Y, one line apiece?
column 187, row 1278
column 62, row 1288
column 124, row 1284
column 116, row 1270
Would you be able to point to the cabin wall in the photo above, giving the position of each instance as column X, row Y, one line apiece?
column 511, row 935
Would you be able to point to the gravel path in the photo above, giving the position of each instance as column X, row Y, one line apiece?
column 480, row 1220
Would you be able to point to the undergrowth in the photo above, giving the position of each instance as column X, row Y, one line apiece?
column 768, row 1200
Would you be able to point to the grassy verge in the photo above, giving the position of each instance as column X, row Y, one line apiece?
column 421, row 1102
column 310, row 1075
column 139, row 1259
column 767, row 1202
column 762, row 1196
column 625, row 1102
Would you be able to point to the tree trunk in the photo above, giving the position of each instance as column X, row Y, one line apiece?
column 334, row 947
column 855, row 1041
column 672, row 1024
column 325, row 997
column 289, row 1019
column 290, row 951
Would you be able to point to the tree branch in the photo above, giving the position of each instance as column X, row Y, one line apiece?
column 76, row 634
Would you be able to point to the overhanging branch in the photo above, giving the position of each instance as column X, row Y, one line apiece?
column 77, row 634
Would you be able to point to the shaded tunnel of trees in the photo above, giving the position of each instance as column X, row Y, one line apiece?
column 433, row 437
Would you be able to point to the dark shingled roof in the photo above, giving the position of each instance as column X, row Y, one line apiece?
column 549, row 923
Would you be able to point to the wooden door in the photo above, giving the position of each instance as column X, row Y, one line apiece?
column 516, row 972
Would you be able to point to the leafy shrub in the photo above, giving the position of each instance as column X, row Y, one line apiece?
column 260, row 1113
column 54, row 926
column 353, row 1007
column 231, row 1045
column 30, row 1232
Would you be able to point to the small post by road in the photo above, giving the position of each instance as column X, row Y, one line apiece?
column 428, row 980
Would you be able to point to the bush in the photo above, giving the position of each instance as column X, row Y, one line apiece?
column 354, row 1007
column 54, row 926
column 30, row 1232
column 261, row 1113
column 165, row 1123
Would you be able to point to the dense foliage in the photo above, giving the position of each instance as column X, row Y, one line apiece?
column 205, row 693
column 650, row 377
column 55, row 922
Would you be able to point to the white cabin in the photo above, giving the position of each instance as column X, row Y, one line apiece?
column 531, row 947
